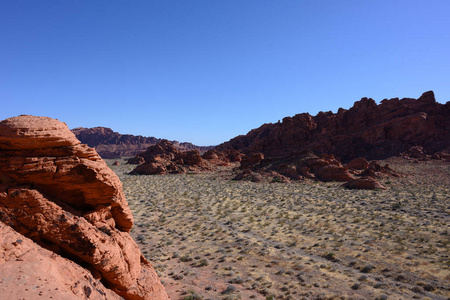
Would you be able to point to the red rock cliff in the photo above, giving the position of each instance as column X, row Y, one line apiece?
column 365, row 130
column 60, row 193
column 111, row 144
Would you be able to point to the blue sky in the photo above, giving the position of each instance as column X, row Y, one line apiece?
column 205, row 71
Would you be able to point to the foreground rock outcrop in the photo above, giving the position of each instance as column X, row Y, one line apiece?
column 111, row 144
column 28, row 271
column 60, row 194
column 366, row 130
column 165, row 158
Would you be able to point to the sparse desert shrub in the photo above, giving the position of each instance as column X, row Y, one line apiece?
column 276, row 179
column 193, row 296
column 185, row 258
column 237, row 279
column 330, row 256
column 229, row 290
column 356, row 286
column 203, row 263
column 396, row 206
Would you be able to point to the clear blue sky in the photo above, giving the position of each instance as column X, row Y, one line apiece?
column 205, row 71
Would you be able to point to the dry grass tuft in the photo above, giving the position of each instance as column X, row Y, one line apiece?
column 205, row 234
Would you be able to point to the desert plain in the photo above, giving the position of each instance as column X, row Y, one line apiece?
column 210, row 237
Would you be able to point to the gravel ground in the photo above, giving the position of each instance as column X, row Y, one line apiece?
column 212, row 238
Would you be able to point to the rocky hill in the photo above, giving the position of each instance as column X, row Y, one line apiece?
column 110, row 144
column 164, row 158
column 64, row 220
column 366, row 130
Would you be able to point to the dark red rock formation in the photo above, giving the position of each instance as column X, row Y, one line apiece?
column 165, row 158
column 110, row 144
column 366, row 130
column 60, row 193
column 295, row 167
column 306, row 164
column 359, row 163
column 251, row 160
column 364, row 183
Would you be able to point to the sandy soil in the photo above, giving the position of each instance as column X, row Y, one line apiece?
column 212, row 238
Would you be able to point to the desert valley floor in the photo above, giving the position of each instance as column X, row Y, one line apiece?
column 212, row 238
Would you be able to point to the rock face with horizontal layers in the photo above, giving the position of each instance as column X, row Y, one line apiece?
column 61, row 194
column 111, row 144
column 366, row 130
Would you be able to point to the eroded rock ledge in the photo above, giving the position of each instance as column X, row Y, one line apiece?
column 62, row 195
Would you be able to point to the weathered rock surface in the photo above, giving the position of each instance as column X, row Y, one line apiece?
column 251, row 160
column 28, row 271
column 305, row 164
column 364, row 183
column 296, row 166
column 366, row 130
column 110, row 144
column 359, row 163
column 165, row 158
column 61, row 194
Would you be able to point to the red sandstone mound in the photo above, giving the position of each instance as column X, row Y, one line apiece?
column 295, row 167
column 306, row 164
column 110, row 144
column 164, row 158
column 364, row 183
column 366, row 130
column 60, row 194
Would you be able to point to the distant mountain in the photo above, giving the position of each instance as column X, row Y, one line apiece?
column 111, row 144
column 365, row 130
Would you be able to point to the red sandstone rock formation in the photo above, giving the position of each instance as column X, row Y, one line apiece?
column 359, row 163
column 295, row 167
column 61, row 194
column 164, row 158
column 252, row 160
column 28, row 271
column 230, row 155
column 364, row 183
column 366, row 130
column 305, row 164
column 110, row 144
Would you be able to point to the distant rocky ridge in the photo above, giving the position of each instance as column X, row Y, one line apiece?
column 110, row 144
column 58, row 194
column 366, row 130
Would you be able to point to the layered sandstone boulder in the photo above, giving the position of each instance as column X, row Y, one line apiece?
column 61, row 194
